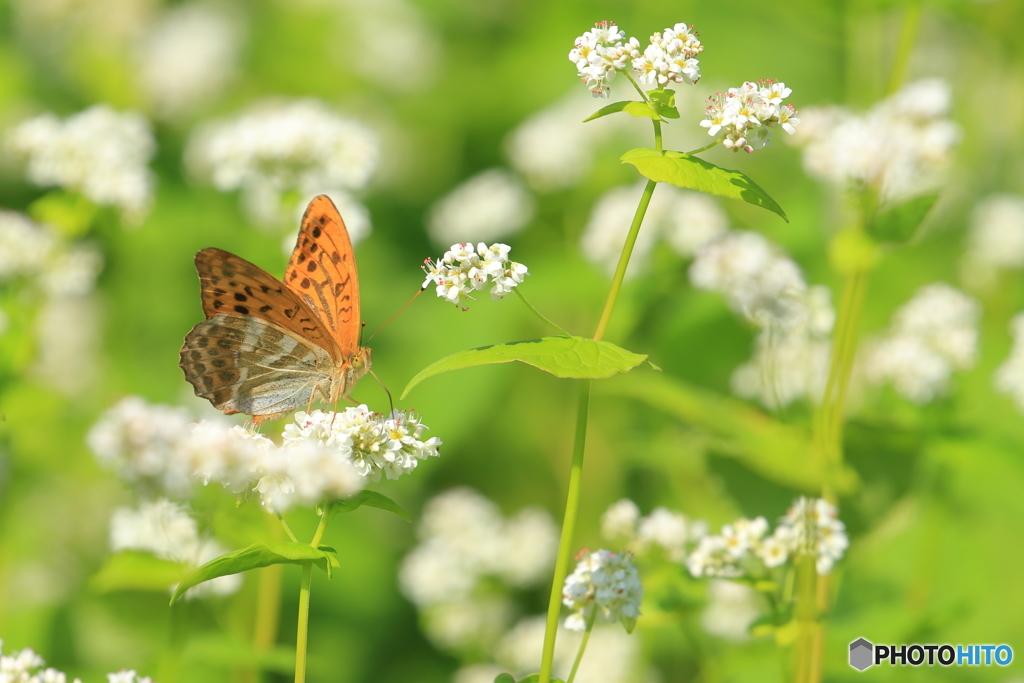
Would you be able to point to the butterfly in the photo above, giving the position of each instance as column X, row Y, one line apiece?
column 267, row 346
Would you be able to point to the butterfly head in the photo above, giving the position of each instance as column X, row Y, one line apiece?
column 350, row 372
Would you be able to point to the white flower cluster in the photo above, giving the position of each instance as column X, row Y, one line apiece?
column 489, row 206
column 603, row 51
column 663, row 529
column 743, row 115
column 791, row 357
column 468, row 557
column 34, row 252
column 374, row 444
column 101, row 153
column 931, row 336
column 25, row 666
column 731, row 609
column 1009, row 377
column 277, row 147
column 900, row 147
column 605, row 587
column 167, row 531
column 188, row 58
column 685, row 220
column 740, row 549
column 995, row 240
column 463, row 270
column 810, row 527
column 323, row 454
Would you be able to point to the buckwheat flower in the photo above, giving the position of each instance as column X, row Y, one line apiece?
column 902, row 146
column 277, row 147
column 490, row 205
column 620, row 521
column 471, row 625
column 1009, row 376
column 409, row 57
column 530, row 543
column 25, row 666
column 774, row 550
column 188, row 58
column 604, row 586
column 712, row 557
column 167, row 531
column 759, row 282
column 665, row 529
column 25, row 246
column 127, row 676
column 743, row 115
column 932, row 336
column 670, row 57
column 101, row 153
column 463, row 270
column 372, row 443
column 732, row 607
column 815, row 529
column 600, row 53
column 995, row 240
column 694, row 220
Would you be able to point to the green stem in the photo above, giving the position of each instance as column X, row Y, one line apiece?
column 583, row 646
column 908, row 36
column 538, row 313
column 620, row 269
column 302, row 633
column 637, row 86
column 287, row 529
column 568, row 528
column 705, row 147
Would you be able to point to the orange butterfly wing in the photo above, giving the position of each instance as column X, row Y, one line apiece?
column 233, row 286
column 322, row 272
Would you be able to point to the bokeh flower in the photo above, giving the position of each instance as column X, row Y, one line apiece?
column 605, row 586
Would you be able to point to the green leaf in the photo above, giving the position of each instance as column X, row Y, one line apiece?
column 71, row 214
column 664, row 102
column 900, row 223
column 633, row 108
column 532, row 678
column 256, row 556
column 505, row 678
column 370, row 499
column 133, row 570
column 683, row 170
column 574, row 357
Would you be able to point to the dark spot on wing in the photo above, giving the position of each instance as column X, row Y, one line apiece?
column 227, row 376
column 240, row 297
column 218, row 303
column 242, row 309
column 305, row 283
column 301, row 257
column 317, row 231
column 311, row 267
column 219, row 363
column 264, row 309
column 313, row 248
column 335, row 257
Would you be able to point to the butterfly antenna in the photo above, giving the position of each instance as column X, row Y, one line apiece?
column 382, row 385
column 413, row 298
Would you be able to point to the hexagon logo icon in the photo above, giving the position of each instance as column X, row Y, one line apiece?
column 861, row 654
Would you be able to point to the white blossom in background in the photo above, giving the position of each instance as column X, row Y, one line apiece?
column 732, row 607
column 669, row 531
column 604, row 587
column 600, row 53
column 620, row 521
column 188, row 58
column 791, row 355
column 902, row 146
column 25, row 247
column 491, row 205
column 812, row 527
column 406, row 60
column 742, row 116
column 1009, row 376
column 101, row 153
column 665, row 529
column 68, row 338
column 995, row 240
column 553, row 149
column 281, row 146
column 612, row 656
column 463, row 270
column 686, row 220
column 25, row 666
column 932, row 336
column 467, row 550
column 167, row 531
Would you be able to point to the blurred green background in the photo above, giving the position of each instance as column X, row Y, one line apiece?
column 935, row 526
